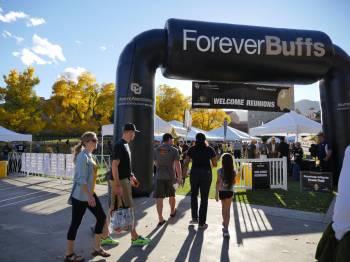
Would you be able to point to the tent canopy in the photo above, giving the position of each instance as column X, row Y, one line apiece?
column 232, row 134
column 191, row 135
column 160, row 127
column 9, row 136
column 288, row 123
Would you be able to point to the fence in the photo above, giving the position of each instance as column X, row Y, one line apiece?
column 54, row 165
column 277, row 172
column 61, row 166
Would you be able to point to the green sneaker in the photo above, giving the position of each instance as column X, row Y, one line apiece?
column 109, row 241
column 140, row 241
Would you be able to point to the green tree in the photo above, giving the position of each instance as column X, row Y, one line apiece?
column 171, row 103
column 21, row 108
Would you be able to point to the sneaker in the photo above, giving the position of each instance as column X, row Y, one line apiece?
column 140, row 241
column 225, row 233
column 194, row 221
column 203, row 226
column 109, row 241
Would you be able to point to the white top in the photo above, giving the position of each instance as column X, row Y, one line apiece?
column 341, row 215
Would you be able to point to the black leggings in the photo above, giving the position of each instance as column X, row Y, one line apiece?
column 78, row 211
column 200, row 180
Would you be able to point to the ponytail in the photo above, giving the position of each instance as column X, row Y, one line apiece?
column 76, row 150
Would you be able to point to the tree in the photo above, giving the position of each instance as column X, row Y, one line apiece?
column 171, row 103
column 75, row 107
column 208, row 119
column 21, row 108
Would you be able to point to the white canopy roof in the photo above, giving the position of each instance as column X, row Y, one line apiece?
column 288, row 123
column 160, row 127
column 191, row 135
column 8, row 135
column 231, row 134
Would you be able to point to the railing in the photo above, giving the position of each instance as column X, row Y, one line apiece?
column 277, row 172
column 54, row 165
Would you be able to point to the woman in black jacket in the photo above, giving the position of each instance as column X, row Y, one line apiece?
column 201, row 155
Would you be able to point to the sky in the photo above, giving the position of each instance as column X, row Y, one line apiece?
column 72, row 36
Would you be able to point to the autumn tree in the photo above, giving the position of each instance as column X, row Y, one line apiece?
column 75, row 107
column 208, row 119
column 21, row 108
column 171, row 103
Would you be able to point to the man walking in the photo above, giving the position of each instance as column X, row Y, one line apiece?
column 167, row 161
column 123, row 178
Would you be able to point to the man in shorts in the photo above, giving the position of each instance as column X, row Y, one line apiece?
column 167, row 161
column 123, row 179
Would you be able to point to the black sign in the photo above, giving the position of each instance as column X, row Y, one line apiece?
column 316, row 181
column 260, row 179
column 241, row 96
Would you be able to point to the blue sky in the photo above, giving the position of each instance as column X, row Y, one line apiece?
column 76, row 35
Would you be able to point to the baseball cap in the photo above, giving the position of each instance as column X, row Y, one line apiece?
column 130, row 127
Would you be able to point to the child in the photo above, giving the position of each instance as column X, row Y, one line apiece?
column 224, row 189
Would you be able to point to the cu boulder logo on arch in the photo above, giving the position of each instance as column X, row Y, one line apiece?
column 136, row 88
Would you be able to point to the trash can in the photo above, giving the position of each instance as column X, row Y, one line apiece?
column 3, row 169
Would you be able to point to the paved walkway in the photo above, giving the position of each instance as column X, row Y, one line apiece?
column 34, row 219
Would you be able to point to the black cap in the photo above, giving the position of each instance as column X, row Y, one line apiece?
column 130, row 127
column 166, row 137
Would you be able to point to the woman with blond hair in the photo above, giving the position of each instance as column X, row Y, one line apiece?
column 83, row 196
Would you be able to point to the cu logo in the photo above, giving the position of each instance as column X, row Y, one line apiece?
column 136, row 88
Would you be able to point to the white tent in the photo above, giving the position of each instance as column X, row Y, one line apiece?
column 191, row 134
column 9, row 136
column 160, row 127
column 231, row 134
column 287, row 124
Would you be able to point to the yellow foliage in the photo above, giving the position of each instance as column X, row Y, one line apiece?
column 170, row 103
column 208, row 119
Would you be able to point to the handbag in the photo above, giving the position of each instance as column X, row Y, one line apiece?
column 122, row 219
column 69, row 201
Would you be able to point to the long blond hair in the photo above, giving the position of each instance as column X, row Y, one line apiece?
column 86, row 137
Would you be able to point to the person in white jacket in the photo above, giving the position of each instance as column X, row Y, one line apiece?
column 335, row 242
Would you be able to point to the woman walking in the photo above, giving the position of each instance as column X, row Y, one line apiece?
column 83, row 197
column 224, row 190
column 201, row 155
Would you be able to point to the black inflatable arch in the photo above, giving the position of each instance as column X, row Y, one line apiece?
column 223, row 52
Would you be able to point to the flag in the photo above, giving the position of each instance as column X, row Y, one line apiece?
column 187, row 119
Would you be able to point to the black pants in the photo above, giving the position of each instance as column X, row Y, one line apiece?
column 237, row 154
column 200, row 180
column 78, row 211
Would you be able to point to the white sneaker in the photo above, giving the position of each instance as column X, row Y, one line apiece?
column 225, row 233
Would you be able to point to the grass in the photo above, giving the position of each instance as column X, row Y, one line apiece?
column 292, row 199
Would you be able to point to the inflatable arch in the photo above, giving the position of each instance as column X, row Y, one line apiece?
column 223, row 52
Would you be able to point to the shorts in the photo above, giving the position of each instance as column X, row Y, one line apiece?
column 117, row 201
column 225, row 194
column 164, row 188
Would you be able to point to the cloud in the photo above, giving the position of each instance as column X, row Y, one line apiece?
column 78, row 42
column 42, row 52
column 72, row 74
column 7, row 34
column 28, row 57
column 103, row 48
column 35, row 21
column 41, row 46
column 13, row 16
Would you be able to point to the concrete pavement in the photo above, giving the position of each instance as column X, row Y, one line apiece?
column 34, row 219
